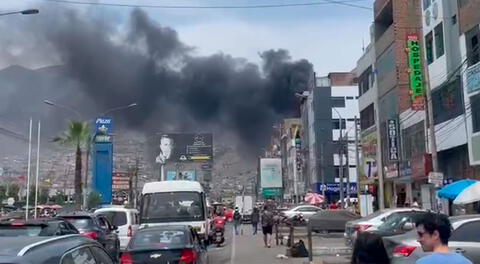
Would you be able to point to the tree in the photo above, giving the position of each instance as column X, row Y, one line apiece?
column 76, row 135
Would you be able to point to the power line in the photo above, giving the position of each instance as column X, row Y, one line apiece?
column 324, row 2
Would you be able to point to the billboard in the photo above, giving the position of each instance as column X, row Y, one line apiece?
column 416, row 72
column 120, row 181
column 271, row 173
column 183, row 148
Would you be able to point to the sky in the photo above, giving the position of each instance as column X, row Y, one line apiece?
column 329, row 36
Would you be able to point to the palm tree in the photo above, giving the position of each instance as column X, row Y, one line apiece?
column 76, row 135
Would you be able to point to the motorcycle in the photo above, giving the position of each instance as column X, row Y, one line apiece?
column 218, row 231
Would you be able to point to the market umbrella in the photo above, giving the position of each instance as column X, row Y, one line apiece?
column 314, row 198
column 470, row 194
column 452, row 190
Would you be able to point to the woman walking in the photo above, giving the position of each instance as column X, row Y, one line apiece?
column 255, row 220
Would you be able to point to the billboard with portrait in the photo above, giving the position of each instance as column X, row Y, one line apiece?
column 271, row 173
column 184, row 148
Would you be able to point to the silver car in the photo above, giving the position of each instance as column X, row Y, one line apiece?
column 305, row 210
column 465, row 239
column 370, row 222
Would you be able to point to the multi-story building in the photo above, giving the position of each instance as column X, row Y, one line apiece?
column 469, row 32
column 401, row 129
column 344, row 113
column 293, row 183
column 367, row 104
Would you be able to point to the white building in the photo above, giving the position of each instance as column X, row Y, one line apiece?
column 344, row 111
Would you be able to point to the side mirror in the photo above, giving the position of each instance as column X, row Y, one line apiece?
column 408, row 226
column 114, row 227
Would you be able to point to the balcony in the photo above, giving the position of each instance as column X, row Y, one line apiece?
column 385, row 40
column 379, row 6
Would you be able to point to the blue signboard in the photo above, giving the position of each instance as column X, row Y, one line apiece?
column 334, row 188
column 103, row 125
column 103, row 170
column 182, row 175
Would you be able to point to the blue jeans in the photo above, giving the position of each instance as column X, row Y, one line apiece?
column 236, row 224
column 255, row 228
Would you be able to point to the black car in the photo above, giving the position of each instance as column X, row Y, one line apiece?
column 399, row 223
column 40, row 227
column 165, row 244
column 69, row 249
column 96, row 227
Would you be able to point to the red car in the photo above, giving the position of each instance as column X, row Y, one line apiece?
column 229, row 215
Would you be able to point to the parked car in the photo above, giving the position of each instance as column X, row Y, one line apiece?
column 165, row 244
column 331, row 220
column 404, row 249
column 370, row 222
column 126, row 219
column 96, row 227
column 305, row 210
column 40, row 227
column 67, row 249
column 19, row 214
column 399, row 223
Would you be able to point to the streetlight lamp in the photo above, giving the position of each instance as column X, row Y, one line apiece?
column 48, row 102
column 22, row 12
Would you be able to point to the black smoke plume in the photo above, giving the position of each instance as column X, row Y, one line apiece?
column 176, row 90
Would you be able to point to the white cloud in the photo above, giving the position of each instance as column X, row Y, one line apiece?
column 329, row 45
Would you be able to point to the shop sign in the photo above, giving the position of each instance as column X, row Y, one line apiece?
column 473, row 78
column 392, row 129
column 416, row 72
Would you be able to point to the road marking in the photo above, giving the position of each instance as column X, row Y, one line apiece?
column 232, row 253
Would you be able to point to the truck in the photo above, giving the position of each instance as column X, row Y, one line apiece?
column 245, row 203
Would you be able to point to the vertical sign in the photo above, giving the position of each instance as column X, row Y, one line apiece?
column 416, row 72
column 392, row 129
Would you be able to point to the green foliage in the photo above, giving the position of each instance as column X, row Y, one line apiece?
column 59, row 198
column 94, row 199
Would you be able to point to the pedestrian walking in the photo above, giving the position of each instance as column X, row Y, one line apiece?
column 415, row 203
column 255, row 220
column 434, row 231
column 369, row 249
column 267, row 226
column 237, row 220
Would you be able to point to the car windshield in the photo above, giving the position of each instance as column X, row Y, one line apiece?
column 395, row 221
column 161, row 239
column 373, row 215
column 81, row 223
column 25, row 230
column 172, row 206
column 116, row 218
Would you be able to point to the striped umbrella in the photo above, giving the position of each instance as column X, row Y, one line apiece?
column 314, row 198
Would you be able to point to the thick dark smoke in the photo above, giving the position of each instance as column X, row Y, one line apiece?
column 176, row 90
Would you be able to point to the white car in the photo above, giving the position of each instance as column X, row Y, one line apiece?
column 370, row 222
column 306, row 210
column 126, row 219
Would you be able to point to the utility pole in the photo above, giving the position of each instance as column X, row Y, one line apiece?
column 322, row 169
column 28, row 168
column 347, row 162
column 357, row 159
column 135, row 183
column 340, row 140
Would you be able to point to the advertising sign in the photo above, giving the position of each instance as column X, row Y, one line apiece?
column 416, row 72
column 332, row 188
column 392, row 130
column 271, row 173
column 182, row 175
column 103, row 125
column 184, row 148
column 120, row 181
column 369, row 155
column 473, row 78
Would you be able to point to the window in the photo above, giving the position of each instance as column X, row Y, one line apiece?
column 454, row 19
column 336, row 124
column 367, row 117
column 116, row 218
column 350, row 97
column 101, row 256
column 473, row 48
column 475, row 107
column 79, row 256
column 447, row 101
column 345, row 171
column 426, row 4
column 439, row 45
column 338, row 101
column 467, row 232
column 429, row 47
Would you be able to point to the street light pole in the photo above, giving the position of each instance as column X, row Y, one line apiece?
column 23, row 12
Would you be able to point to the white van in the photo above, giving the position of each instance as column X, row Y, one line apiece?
column 174, row 202
column 126, row 219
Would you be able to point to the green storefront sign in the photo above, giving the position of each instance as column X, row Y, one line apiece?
column 415, row 64
column 272, row 192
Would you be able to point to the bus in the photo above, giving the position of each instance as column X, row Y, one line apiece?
column 174, row 202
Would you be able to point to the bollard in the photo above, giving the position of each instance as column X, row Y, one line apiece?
column 310, row 246
column 290, row 237
column 276, row 234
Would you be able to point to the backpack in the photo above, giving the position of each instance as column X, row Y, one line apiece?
column 237, row 216
column 267, row 219
column 299, row 250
